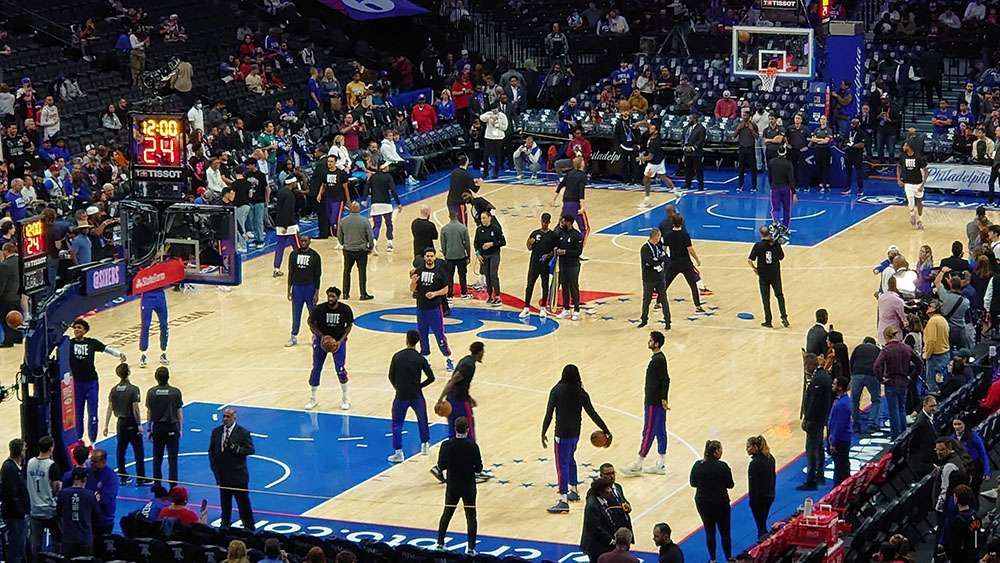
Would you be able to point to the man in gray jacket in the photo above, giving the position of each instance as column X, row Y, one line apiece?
column 455, row 246
column 355, row 235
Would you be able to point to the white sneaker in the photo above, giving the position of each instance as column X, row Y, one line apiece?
column 584, row 258
column 632, row 469
column 311, row 404
column 657, row 469
column 645, row 202
column 520, row 176
column 292, row 341
column 565, row 314
column 913, row 219
column 525, row 313
column 425, row 448
column 396, row 457
column 388, row 247
column 543, row 313
column 576, row 316
column 142, row 361
column 163, row 359
column 345, row 405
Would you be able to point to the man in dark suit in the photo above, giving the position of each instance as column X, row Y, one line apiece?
column 920, row 449
column 460, row 459
column 228, row 449
column 816, row 337
column 517, row 94
column 694, row 144
column 815, row 411
column 621, row 517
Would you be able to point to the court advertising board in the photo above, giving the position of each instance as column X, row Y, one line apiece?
column 958, row 177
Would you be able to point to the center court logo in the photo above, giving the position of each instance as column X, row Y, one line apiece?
column 462, row 319
column 371, row 6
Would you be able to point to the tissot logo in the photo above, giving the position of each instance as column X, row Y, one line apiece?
column 160, row 174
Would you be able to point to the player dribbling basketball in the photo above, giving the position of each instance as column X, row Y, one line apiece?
column 330, row 319
column 456, row 392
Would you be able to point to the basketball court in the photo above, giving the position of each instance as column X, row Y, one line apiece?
column 324, row 472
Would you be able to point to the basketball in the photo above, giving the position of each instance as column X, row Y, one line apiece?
column 599, row 439
column 442, row 409
column 15, row 319
column 328, row 344
column 743, row 36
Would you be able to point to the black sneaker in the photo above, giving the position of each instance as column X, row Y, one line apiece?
column 641, row 324
column 807, row 486
column 767, row 324
column 124, row 480
column 366, row 297
column 784, row 323
column 436, row 472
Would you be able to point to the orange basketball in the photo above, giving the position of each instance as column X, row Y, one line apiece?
column 743, row 36
column 327, row 343
column 599, row 439
column 15, row 319
column 442, row 409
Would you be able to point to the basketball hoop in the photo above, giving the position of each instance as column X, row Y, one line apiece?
column 768, row 78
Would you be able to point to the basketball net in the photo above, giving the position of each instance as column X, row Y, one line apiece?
column 768, row 78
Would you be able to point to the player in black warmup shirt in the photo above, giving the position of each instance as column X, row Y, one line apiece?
column 404, row 374
column 460, row 183
column 429, row 284
column 334, row 319
column 911, row 174
column 286, row 223
column 305, row 268
column 82, row 350
column 569, row 246
column 567, row 400
column 541, row 243
column 678, row 242
column 765, row 260
column 575, row 182
column 655, row 163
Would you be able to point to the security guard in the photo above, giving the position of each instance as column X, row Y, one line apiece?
column 123, row 402
column 163, row 411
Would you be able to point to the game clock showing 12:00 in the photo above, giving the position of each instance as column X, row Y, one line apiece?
column 159, row 141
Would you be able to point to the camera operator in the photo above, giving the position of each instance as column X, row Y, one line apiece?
column 954, row 306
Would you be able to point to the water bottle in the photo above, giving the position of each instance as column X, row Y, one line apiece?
column 807, row 507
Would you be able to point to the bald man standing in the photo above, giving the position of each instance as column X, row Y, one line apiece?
column 424, row 232
column 355, row 235
column 228, row 449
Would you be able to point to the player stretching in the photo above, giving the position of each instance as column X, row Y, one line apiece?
column 456, row 392
column 333, row 319
column 153, row 301
column 541, row 243
column 657, row 405
column 429, row 284
column 575, row 182
column 305, row 268
column 85, row 384
column 404, row 375
column 568, row 399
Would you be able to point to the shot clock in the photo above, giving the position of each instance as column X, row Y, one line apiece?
column 33, row 255
column 159, row 156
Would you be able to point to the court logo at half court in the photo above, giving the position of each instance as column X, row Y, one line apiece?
column 497, row 324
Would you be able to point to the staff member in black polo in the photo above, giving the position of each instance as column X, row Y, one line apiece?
column 459, row 183
column 797, row 139
column 123, row 402
column 653, row 259
column 855, row 141
column 228, row 449
column 765, row 261
column 460, row 460
column 774, row 138
column 165, row 417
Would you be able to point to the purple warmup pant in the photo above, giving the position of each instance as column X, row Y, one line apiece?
column 319, row 358
column 566, row 463
column 334, row 209
column 284, row 241
column 654, row 428
column 303, row 295
column 460, row 408
column 85, row 393
column 399, row 408
column 781, row 198
column 378, row 226
column 572, row 208
column 432, row 320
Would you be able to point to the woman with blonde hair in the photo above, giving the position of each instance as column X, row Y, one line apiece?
column 760, row 481
column 445, row 107
column 237, row 552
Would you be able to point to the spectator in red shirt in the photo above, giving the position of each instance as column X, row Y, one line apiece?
column 461, row 94
column 725, row 107
column 404, row 68
column 178, row 508
column 247, row 48
column 423, row 116
column 579, row 142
